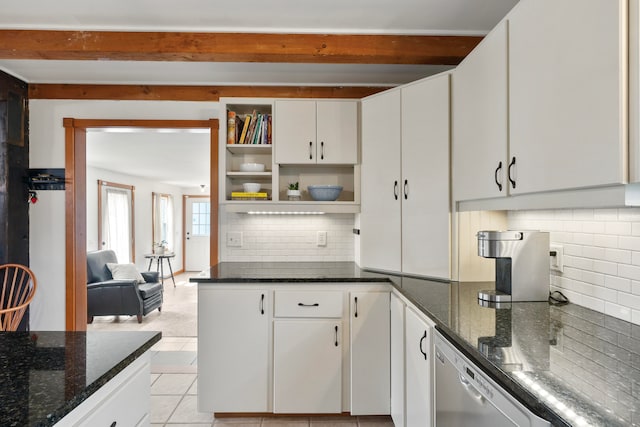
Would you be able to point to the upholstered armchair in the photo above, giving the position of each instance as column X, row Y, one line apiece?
column 129, row 293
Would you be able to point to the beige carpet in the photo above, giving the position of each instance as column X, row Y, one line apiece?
column 177, row 319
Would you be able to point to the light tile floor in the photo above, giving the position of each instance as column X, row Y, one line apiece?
column 174, row 389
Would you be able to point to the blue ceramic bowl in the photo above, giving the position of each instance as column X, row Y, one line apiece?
column 324, row 193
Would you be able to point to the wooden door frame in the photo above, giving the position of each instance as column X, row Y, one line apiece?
column 76, row 203
column 185, row 197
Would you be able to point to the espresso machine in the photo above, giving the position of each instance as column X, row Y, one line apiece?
column 522, row 265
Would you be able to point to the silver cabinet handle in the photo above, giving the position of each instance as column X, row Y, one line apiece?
column 406, row 189
column 321, row 150
column 310, row 150
column 336, row 335
column 424, row 337
column 395, row 189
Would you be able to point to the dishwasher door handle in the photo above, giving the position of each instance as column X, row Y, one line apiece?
column 475, row 394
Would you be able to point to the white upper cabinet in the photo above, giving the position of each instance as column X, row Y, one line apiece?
column 425, row 177
column 380, row 245
column 405, row 204
column 316, row 132
column 567, row 94
column 480, row 120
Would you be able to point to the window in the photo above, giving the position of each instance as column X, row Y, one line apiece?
column 115, row 219
column 200, row 219
column 162, row 213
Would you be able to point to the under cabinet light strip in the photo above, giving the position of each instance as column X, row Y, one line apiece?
column 283, row 213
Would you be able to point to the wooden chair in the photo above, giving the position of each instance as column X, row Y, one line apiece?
column 18, row 289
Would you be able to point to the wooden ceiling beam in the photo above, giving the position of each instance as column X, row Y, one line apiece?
column 235, row 47
column 192, row 93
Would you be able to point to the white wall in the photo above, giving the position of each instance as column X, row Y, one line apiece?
column 46, row 218
column 142, row 213
column 601, row 256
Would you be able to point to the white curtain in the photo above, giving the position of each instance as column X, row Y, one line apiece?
column 116, row 222
column 163, row 219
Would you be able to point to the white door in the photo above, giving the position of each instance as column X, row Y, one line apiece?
column 381, row 188
column 425, row 177
column 418, row 371
column 307, row 366
column 397, row 361
column 370, row 353
column 480, row 119
column 337, row 132
column 233, row 368
column 567, row 94
column 197, row 233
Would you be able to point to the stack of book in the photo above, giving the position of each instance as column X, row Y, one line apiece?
column 254, row 128
column 243, row 195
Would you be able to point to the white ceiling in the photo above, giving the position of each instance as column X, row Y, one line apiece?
column 178, row 158
column 173, row 156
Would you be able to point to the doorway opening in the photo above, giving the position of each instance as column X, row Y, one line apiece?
column 76, row 202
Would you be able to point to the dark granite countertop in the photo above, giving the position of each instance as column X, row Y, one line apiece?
column 568, row 364
column 45, row 375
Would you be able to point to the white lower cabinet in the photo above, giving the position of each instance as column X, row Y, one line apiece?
column 307, row 366
column 397, row 361
column 123, row 401
column 292, row 349
column 370, row 353
column 233, row 350
column 418, row 370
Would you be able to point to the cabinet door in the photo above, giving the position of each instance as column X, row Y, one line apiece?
column 418, row 361
column 397, row 361
column 233, row 350
column 479, row 119
column 370, row 352
column 567, row 94
column 425, row 178
column 381, row 190
column 337, row 132
column 294, row 137
column 307, row 366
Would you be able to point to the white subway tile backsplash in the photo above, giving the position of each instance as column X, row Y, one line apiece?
column 617, row 255
column 618, row 228
column 629, row 271
column 273, row 238
column 618, row 283
column 601, row 254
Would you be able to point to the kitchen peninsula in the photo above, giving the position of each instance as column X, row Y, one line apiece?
column 75, row 378
column 567, row 364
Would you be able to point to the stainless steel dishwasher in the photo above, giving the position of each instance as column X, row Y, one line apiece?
column 466, row 396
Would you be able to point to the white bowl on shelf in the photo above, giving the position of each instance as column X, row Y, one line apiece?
column 324, row 193
column 251, row 167
column 251, row 187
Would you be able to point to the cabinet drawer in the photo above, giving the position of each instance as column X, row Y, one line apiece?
column 308, row 304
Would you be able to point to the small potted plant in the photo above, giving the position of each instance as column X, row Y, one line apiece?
column 293, row 193
column 160, row 248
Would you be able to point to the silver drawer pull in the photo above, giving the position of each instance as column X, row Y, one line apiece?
column 300, row 304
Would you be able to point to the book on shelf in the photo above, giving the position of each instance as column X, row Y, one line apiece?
column 269, row 129
column 231, row 127
column 244, row 195
column 252, row 127
column 245, row 129
column 239, row 127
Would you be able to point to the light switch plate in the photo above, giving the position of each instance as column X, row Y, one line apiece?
column 234, row 239
column 556, row 262
column 322, row 238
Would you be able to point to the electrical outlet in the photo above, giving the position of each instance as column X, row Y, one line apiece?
column 234, row 239
column 556, row 262
column 322, row 238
